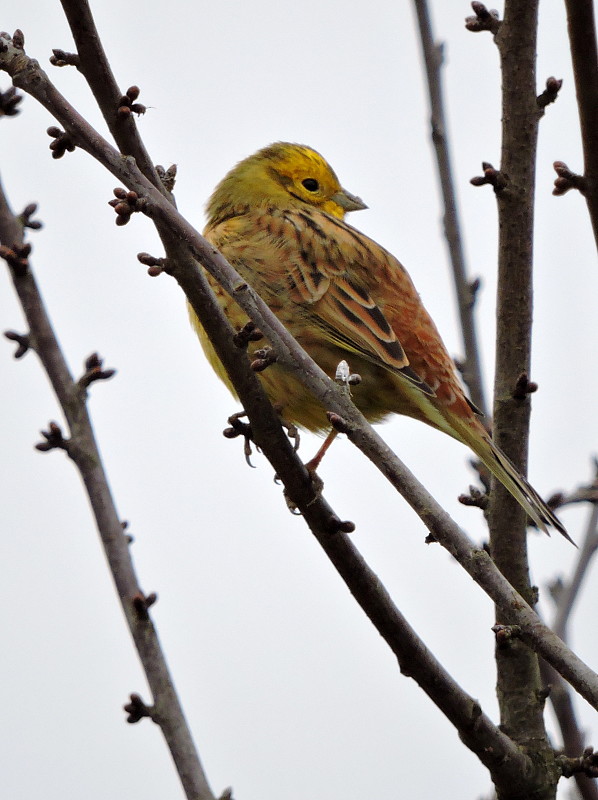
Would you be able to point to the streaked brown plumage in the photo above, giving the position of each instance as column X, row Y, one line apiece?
column 278, row 219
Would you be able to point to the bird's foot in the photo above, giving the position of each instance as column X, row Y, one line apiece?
column 238, row 428
column 318, row 487
column 290, row 428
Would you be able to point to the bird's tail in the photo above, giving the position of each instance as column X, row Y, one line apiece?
column 506, row 472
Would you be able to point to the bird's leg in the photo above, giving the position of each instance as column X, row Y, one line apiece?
column 291, row 429
column 312, row 465
column 345, row 379
column 292, row 433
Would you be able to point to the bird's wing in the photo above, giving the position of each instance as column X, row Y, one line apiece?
column 357, row 293
column 332, row 268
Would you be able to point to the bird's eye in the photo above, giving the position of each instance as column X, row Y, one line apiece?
column 311, row 184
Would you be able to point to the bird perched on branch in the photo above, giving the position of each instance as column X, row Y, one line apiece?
column 278, row 218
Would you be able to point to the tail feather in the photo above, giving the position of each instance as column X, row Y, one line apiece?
column 467, row 429
column 476, row 438
column 505, row 471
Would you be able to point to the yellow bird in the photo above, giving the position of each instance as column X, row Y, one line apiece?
column 278, row 218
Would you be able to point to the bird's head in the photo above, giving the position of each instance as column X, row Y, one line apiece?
column 282, row 175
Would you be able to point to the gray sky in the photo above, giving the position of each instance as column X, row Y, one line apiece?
column 289, row 690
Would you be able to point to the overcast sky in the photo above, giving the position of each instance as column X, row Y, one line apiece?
column 289, row 690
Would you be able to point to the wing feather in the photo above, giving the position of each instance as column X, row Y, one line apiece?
column 340, row 278
column 329, row 272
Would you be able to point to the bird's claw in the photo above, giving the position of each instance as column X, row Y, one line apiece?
column 292, row 433
column 318, row 487
column 238, row 428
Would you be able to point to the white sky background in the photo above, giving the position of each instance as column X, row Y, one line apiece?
column 289, row 690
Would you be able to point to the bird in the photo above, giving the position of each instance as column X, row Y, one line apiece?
column 278, row 217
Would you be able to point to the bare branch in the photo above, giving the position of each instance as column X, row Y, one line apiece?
column 573, row 737
column 82, row 449
column 433, row 58
column 94, row 65
column 584, row 53
column 564, row 597
column 570, row 591
column 518, row 674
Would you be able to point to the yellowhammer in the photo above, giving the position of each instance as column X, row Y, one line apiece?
column 278, row 219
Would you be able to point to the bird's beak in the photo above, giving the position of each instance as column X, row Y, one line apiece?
column 348, row 201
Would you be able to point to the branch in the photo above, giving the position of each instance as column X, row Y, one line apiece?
column 82, row 448
column 94, row 65
column 518, row 675
column 584, row 54
column 433, row 59
column 496, row 751
column 27, row 75
column 565, row 596
column 573, row 737
column 560, row 696
column 570, row 591
column 514, row 190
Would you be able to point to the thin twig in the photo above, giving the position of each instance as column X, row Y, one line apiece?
column 573, row 737
column 433, row 59
column 571, row 589
column 584, row 53
column 95, row 66
column 82, row 448
column 477, row 732
column 560, row 694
